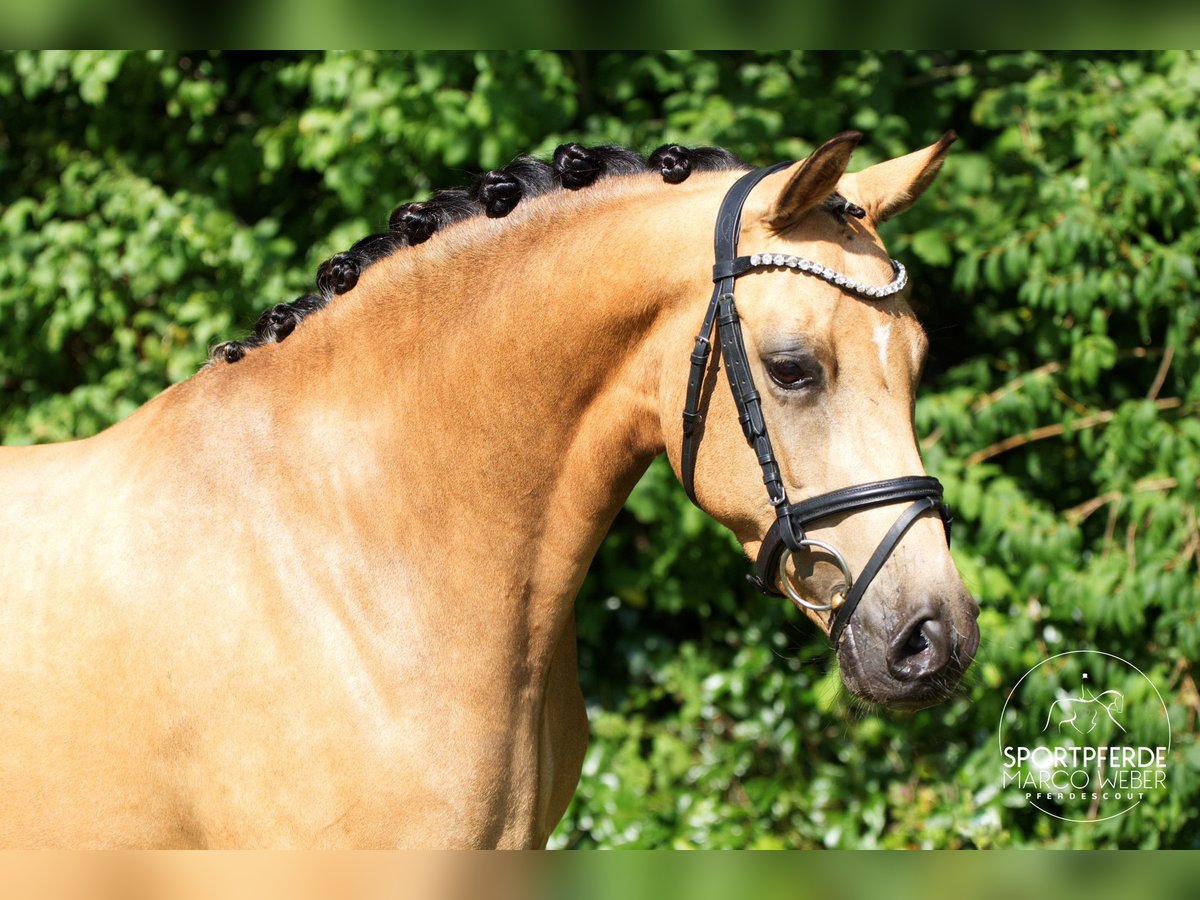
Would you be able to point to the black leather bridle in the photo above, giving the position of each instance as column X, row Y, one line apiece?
column 786, row 535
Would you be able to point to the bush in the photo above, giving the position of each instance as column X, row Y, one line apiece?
column 153, row 203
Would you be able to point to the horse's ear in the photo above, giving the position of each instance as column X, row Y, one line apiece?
column 891, row 187
column 812, row 181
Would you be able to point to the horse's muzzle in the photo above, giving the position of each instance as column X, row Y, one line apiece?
column 911, row 660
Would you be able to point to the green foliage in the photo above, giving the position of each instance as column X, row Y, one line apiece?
column 152, row 204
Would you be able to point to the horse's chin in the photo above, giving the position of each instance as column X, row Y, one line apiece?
column 880, row 697
column 879, row 690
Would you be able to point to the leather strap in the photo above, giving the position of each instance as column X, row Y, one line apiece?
column 842, row 616
column 726, row 268
column 747, row 399
column 865, row 496
column 788, row 530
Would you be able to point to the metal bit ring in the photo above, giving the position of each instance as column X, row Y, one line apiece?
column 786, row 583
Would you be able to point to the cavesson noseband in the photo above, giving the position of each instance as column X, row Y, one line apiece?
column 786, row 535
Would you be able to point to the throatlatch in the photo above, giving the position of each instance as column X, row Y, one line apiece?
column 787, row 534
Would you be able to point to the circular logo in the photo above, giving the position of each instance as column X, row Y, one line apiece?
column 1084, row 736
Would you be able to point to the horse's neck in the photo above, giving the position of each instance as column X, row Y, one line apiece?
column 482, row 410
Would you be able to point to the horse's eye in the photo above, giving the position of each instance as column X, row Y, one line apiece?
column 794, row 372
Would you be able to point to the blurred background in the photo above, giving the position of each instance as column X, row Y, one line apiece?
column 152, row 204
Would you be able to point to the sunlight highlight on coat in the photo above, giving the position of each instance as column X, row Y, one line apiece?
column 880, row 335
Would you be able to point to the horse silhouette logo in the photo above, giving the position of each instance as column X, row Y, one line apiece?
column 1088, row 758
column 1083, row 713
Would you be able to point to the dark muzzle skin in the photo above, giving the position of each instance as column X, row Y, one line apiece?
column 912, row 658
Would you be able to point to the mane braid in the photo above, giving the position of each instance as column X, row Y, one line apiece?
column 500, row 191
column 494, row 194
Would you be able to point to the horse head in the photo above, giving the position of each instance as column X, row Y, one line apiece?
column 824, row 370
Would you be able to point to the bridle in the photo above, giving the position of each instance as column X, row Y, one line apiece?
column 786, row 536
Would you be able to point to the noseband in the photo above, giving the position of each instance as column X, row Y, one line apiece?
column 787, row 537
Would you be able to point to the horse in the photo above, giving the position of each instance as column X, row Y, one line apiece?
column 1068, row 707
column 320, row 594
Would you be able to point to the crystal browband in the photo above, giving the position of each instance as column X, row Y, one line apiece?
column 807, row 266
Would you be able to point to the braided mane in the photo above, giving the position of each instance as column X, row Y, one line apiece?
column 494, row 194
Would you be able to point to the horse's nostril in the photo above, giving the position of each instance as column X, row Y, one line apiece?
column 919, row 650
column 916, row 642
